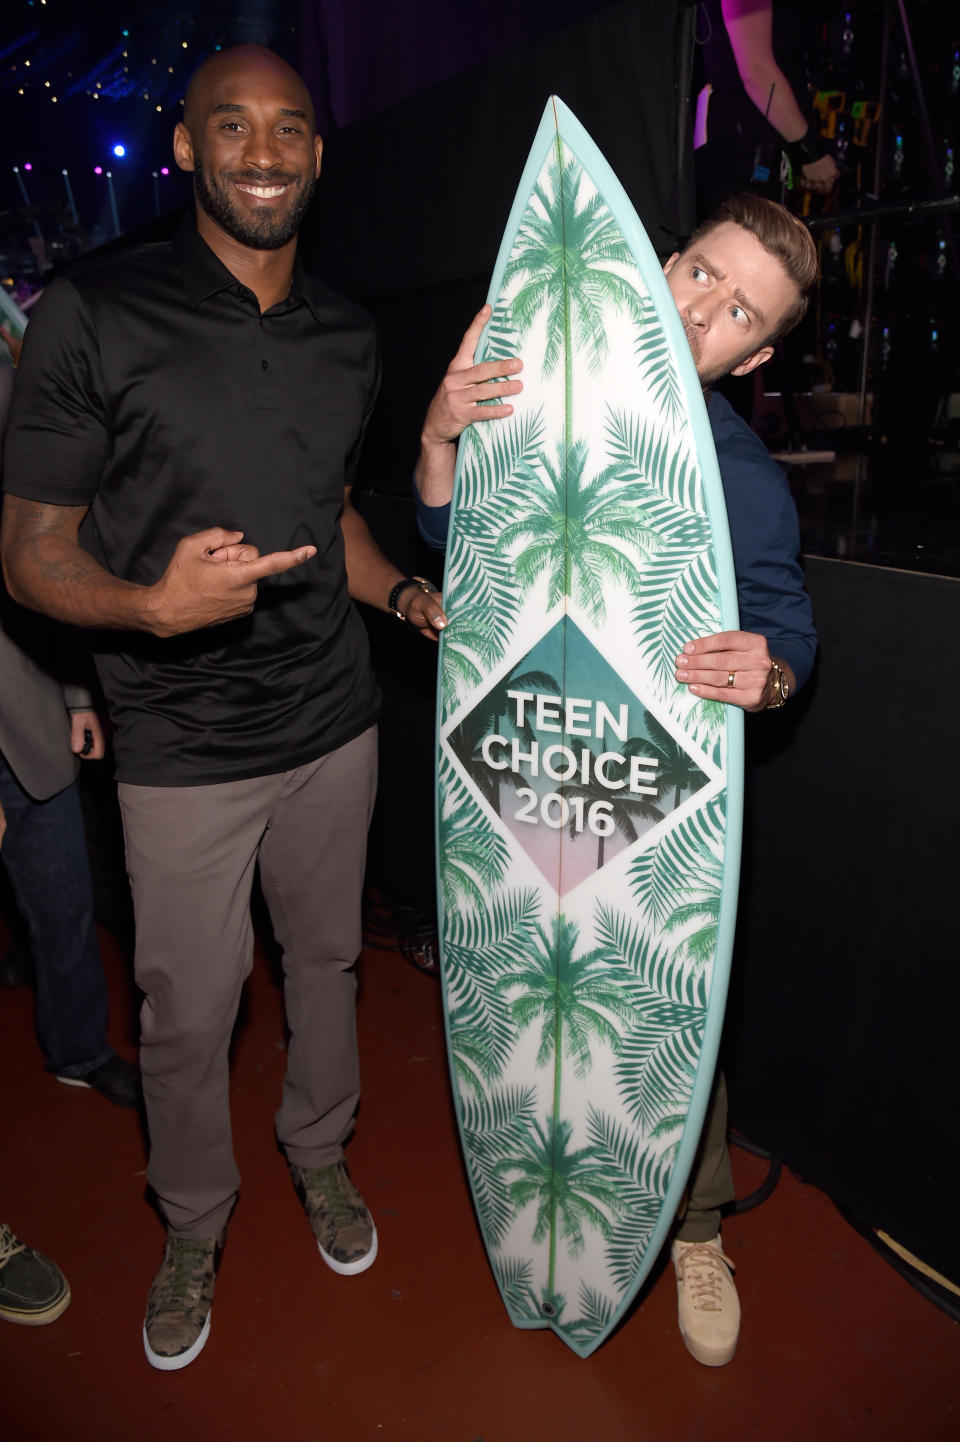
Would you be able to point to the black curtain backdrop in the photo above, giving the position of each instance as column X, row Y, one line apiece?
column 419, row 195
column 412, row 204
column 409, row 215
column 362, row 56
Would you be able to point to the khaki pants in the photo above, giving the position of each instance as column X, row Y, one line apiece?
column 191, row 853
column 711, row 1180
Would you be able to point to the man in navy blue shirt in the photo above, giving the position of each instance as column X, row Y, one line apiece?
column 741, row 282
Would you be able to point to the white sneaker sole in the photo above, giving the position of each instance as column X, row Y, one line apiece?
column 183, row 1359
column 351, row 1269
column 708, row 1355
column 73, row 1081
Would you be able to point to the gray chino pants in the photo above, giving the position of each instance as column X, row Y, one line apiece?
column 191, row 853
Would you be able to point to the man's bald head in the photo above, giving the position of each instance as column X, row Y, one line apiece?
column 247, row 135
column 239, row 64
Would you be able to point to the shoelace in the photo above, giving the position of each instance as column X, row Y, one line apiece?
column 9, row 1244
column 706, row 1267
column 329, row 1182
column 187, row 1257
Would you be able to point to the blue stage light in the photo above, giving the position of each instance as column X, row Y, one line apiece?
column 120, row 151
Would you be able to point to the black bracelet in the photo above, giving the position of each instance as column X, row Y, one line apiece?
column 801, row 152
column 421, row 584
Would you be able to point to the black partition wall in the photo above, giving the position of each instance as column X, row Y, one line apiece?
column 842, row 1053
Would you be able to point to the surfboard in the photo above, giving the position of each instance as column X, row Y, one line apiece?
column 588, row 807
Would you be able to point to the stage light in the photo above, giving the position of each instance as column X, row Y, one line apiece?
column 164, row 170
column 27, row 165
column 98, row 170
column 120, row 151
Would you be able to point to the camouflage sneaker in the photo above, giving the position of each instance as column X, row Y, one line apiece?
column 177, row 1323
column 343, row 1227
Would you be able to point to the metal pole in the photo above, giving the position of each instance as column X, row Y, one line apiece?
column 73, row 206
column 925, row 127
column 907, row 210
column 26, row 199
column 872, row 254
column 685, row 218
column 23, row 188
column 113, row 203
column 871, row 282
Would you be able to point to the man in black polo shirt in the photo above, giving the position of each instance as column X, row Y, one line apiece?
column 198, row 407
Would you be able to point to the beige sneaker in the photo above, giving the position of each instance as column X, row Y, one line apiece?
column 177, row 1323
column 708, row 1308
column 341, row 1224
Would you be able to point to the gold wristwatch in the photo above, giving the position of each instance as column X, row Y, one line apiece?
column 781, row 688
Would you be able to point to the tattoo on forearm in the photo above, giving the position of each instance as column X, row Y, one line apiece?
column 48, row 569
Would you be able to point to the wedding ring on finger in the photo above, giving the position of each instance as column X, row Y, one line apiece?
column 731, row 678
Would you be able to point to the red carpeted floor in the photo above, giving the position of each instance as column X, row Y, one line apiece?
column 835, row 1344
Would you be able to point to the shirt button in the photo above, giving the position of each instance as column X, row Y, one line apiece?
column 263, row 364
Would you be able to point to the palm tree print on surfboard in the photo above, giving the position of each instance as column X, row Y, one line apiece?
column 588, row 807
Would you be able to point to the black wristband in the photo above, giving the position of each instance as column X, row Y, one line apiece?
column 802, row 152
column 421, row 584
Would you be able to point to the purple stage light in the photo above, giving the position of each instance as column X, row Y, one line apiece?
column 98, row 170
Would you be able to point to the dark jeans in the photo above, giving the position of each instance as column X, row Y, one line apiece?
column 45, row 854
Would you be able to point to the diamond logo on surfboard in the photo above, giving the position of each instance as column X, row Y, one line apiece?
column 597, row 769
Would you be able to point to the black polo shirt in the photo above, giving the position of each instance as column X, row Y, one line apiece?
column 153, row 390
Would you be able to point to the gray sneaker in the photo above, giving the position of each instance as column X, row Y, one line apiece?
column 338, row 1215
column 177, row 1323
column 33, row 1290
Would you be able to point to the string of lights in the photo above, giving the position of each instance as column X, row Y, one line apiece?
column 65, row 50
column 111, row 78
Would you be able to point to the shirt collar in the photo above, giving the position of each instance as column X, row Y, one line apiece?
column 204, row 273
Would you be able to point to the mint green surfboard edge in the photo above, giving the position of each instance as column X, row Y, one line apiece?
column 557, row 118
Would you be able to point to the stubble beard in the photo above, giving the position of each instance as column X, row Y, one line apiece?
column 263, row 230
column 708, row 376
